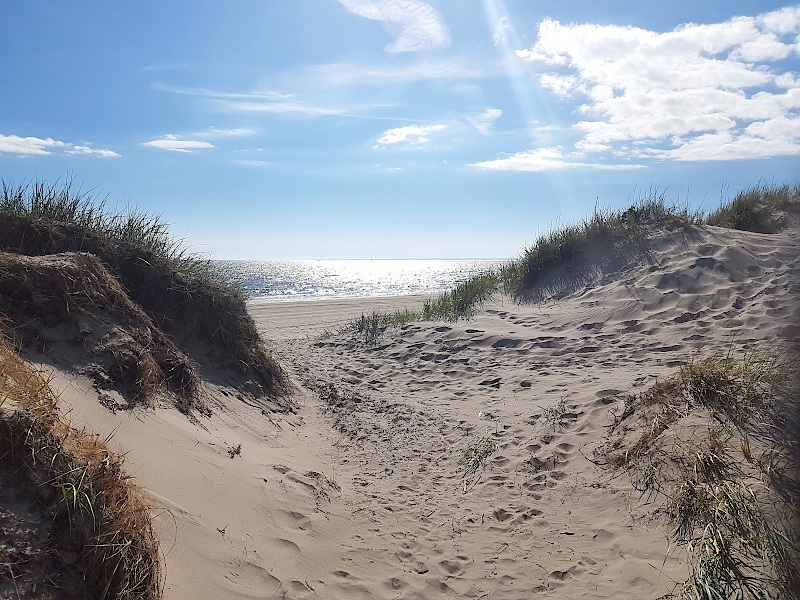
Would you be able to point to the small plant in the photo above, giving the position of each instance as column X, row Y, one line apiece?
column 234, row 451
column 474, row 455
column 371, row 326
column 554, row 414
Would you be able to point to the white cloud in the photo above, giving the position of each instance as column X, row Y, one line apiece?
column 297, row 108
column 699, row 92
column 13, row 144
column 484, row 121
column 545, row 159
column 416, row 25
column 213, row 132
column 261, row 164
column 33, row 146
column 501, row 31
column 92, row 151
column 413, row 134
column 175, row 144
column 764, row 139
column 266, row 101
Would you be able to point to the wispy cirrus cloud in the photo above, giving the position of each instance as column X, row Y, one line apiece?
column 299, row 108
column 500, row 35
column 88, row 150
column 700, row 92
column 266, row 101
column 260, row 164
column 547, row 159
column 33, row 146
column 484, row 121
column 416, row 25
column 173, row 143
column 347, row 74
column 211, row 93
column 412, row 135
column 214, row 132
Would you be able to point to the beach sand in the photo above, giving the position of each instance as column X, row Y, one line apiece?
column 361, row 493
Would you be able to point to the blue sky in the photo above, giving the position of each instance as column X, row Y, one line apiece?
column 396, row 128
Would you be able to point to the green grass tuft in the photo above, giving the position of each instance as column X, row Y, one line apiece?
column 756, row 208
column 475, row 454
column 561, row 245
column 462, row 301
column 372, row 325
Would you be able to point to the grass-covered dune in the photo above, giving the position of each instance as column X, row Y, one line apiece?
column 762, row 208
column 185, row 321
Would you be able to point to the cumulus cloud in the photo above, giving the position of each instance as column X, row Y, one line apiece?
column 412, row 134
column 700, row 92
column 14, row 144
column 416, row 25
column 545, row 159
column 175, row 144
column 33, row 146
column 484, row 121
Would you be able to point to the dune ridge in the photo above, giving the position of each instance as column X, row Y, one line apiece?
column 458, row 458
column 364, row 492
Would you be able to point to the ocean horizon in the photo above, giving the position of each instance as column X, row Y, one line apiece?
column 309, row 279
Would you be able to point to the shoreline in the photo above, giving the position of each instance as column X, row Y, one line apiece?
column 304, row 318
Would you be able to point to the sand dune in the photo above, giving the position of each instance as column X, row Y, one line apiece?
column 361, row 493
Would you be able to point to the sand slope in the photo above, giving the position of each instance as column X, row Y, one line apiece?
column 361, row 494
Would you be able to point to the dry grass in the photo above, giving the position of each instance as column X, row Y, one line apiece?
column 705, row 443
column 98, row 508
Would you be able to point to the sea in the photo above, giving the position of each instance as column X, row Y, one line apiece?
column 295, row 280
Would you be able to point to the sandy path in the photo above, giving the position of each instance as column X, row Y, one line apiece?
column 361, row 495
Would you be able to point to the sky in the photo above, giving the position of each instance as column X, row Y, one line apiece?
column 277, row 129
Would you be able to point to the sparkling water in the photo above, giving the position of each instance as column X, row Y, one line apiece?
column 291, row 280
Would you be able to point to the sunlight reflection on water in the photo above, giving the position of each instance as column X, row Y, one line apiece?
column 291, row 280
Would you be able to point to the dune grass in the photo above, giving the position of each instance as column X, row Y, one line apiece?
column 98, row 506
column 65, row 203
column 462, row 301
column 722, row 486
column 755, row 208
column 563, row 244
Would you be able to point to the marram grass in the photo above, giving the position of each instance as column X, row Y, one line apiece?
column 66, row 204
column 104, row 512
column 723, row 489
